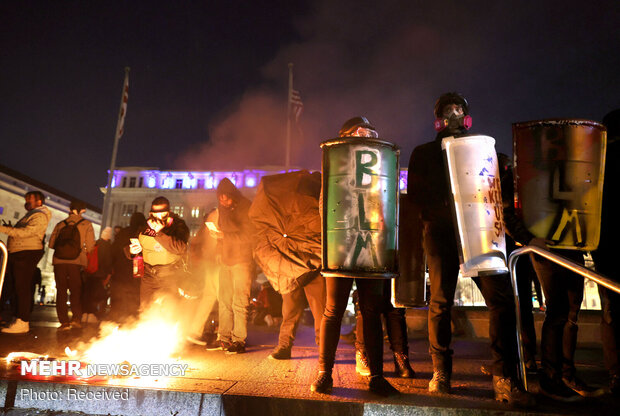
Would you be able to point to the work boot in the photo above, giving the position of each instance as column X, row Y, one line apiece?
column 440, row 383
column 323, row 383
column 379, row 385
column 361, row 363
column 506, row 390
column 281, row 353
column 17, row 327
column 402, row 366
column 581, row 388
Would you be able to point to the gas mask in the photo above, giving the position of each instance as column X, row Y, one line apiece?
column 453, row 119
column 160, row 217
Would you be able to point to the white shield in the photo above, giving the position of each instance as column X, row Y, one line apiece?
column 478, row 212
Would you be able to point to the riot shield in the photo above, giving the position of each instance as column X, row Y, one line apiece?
column 360, row 208
column 477, row 204
column 559, row 166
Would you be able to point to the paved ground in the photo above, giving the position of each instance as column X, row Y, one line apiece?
column 253, row 384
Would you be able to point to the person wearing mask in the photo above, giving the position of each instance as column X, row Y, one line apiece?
column 429, row 189
column 71, row 240
column 234, row 231
column 371, row 301
column 25, row 247
column 163, row 244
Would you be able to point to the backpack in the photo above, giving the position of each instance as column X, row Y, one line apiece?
column 68, row 245
column 93, row 260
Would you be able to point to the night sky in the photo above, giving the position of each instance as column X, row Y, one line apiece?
column 208, row 81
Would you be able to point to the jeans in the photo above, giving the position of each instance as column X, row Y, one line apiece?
column 293, row 309
column 563, row 292
column 234, row 301
column 211, row 275
column 370, row 293
column 395, row 324
column 68, row 276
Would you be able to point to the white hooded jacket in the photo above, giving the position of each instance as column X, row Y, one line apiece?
column 29, row 231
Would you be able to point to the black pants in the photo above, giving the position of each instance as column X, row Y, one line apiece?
column 293, row 309
column 93, row 295
column 395, row 324
column 159, row 281
column 68, row 276
column 20, row 271
column 442, row 259
column 371, row 299
column 563, row 291
column 610, row 329
column 525, row 277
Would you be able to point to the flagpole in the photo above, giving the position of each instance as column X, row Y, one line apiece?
column 287, row 160
column 119, row 131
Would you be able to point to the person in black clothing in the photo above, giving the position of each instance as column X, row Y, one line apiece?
column 517, row 233
column 94, row 288
column 429, row 189
column 124, row 289
column 371, row 300
column 605, row 256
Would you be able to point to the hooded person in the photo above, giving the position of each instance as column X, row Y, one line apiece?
column 234, row 232
column 25, row 247
column 285, row 214
column 429, row 189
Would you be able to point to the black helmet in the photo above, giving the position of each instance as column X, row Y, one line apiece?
column 450, row 98
column 350, row 125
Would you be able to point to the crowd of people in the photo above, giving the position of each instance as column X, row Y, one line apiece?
column 279, row 232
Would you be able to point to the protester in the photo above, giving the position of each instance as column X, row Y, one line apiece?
column 371, row 300
column 429, row 189
column 163, row 244
column 25, row 247
column 71, row 240
column 234, row 231
column 205, row 262
column 95, row 293
column 285, row 215
column 124, row 288
column 605, row 256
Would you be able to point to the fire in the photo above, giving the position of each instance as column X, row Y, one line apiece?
column 154, row 339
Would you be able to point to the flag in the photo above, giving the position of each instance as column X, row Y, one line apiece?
column 297, row 106
column 123, row 110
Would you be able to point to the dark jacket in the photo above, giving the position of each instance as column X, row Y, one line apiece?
column 285, row 214
column 235, row 224
column 427, row 185
column 104, row 258
column 515, row 228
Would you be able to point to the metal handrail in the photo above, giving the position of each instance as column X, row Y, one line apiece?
column 5, row 259
column 562, row 261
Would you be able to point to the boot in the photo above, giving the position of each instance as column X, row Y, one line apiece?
column 361, row 363
column 382, row 387
column 440, row 382
column 506, row 390
column 323, row 383
column 402, row 366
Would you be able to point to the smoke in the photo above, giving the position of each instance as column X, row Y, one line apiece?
column 390, row 62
